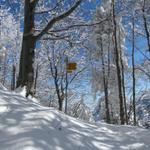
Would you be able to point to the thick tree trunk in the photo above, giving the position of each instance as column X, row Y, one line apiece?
column 60, row 104
column 26, row 69
column 118, row 66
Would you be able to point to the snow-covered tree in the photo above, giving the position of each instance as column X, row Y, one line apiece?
column 10, row 44
column 105, row 76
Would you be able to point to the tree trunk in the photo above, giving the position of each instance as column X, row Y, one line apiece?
column 133, row 73
column 4, row 68
column 60, row 98
column 13, row 81
column 105, row 85
column 118, row 66
column 60, row 104
column 26, row 69
column 124, row 91
column 36, row 77
column 123, row 81
column 146, row 26
column 66, row 88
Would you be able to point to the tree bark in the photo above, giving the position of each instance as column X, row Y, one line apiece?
column 36, row 77
column 66, row 88
column 105, row 85
column 26, row 69
column 146, row 26
column 118, row 65
column 123, row 81
column 4, row 67
column 124, row 92
column 13, row 81
column 60, row 99
column 133, row 73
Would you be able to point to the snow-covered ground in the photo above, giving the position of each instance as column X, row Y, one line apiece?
column 25, row 125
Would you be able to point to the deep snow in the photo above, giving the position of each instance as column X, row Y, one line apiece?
column 25, row 125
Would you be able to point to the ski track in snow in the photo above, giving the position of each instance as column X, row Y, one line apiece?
column 25, row 125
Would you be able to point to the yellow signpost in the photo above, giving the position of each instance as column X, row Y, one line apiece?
column 70, row 66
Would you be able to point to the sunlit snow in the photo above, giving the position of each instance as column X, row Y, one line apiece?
column 25, row 125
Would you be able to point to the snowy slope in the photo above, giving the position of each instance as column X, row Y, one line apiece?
column 25, row 125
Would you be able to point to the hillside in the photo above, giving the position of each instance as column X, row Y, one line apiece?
column 25, row 125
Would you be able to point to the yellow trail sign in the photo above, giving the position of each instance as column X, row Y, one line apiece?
column 71, row 66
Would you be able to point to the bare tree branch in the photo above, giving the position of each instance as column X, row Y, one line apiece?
column 55, row 39
column 142, row 70
column 49, row 10
column 79, row 25
column 58, row 18
column 75, row 75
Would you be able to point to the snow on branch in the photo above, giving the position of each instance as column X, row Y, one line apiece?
column 58, row 18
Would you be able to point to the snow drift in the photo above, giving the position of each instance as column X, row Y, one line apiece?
column 25, row 125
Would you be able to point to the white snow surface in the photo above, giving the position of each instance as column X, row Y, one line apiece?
column 25, row 125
